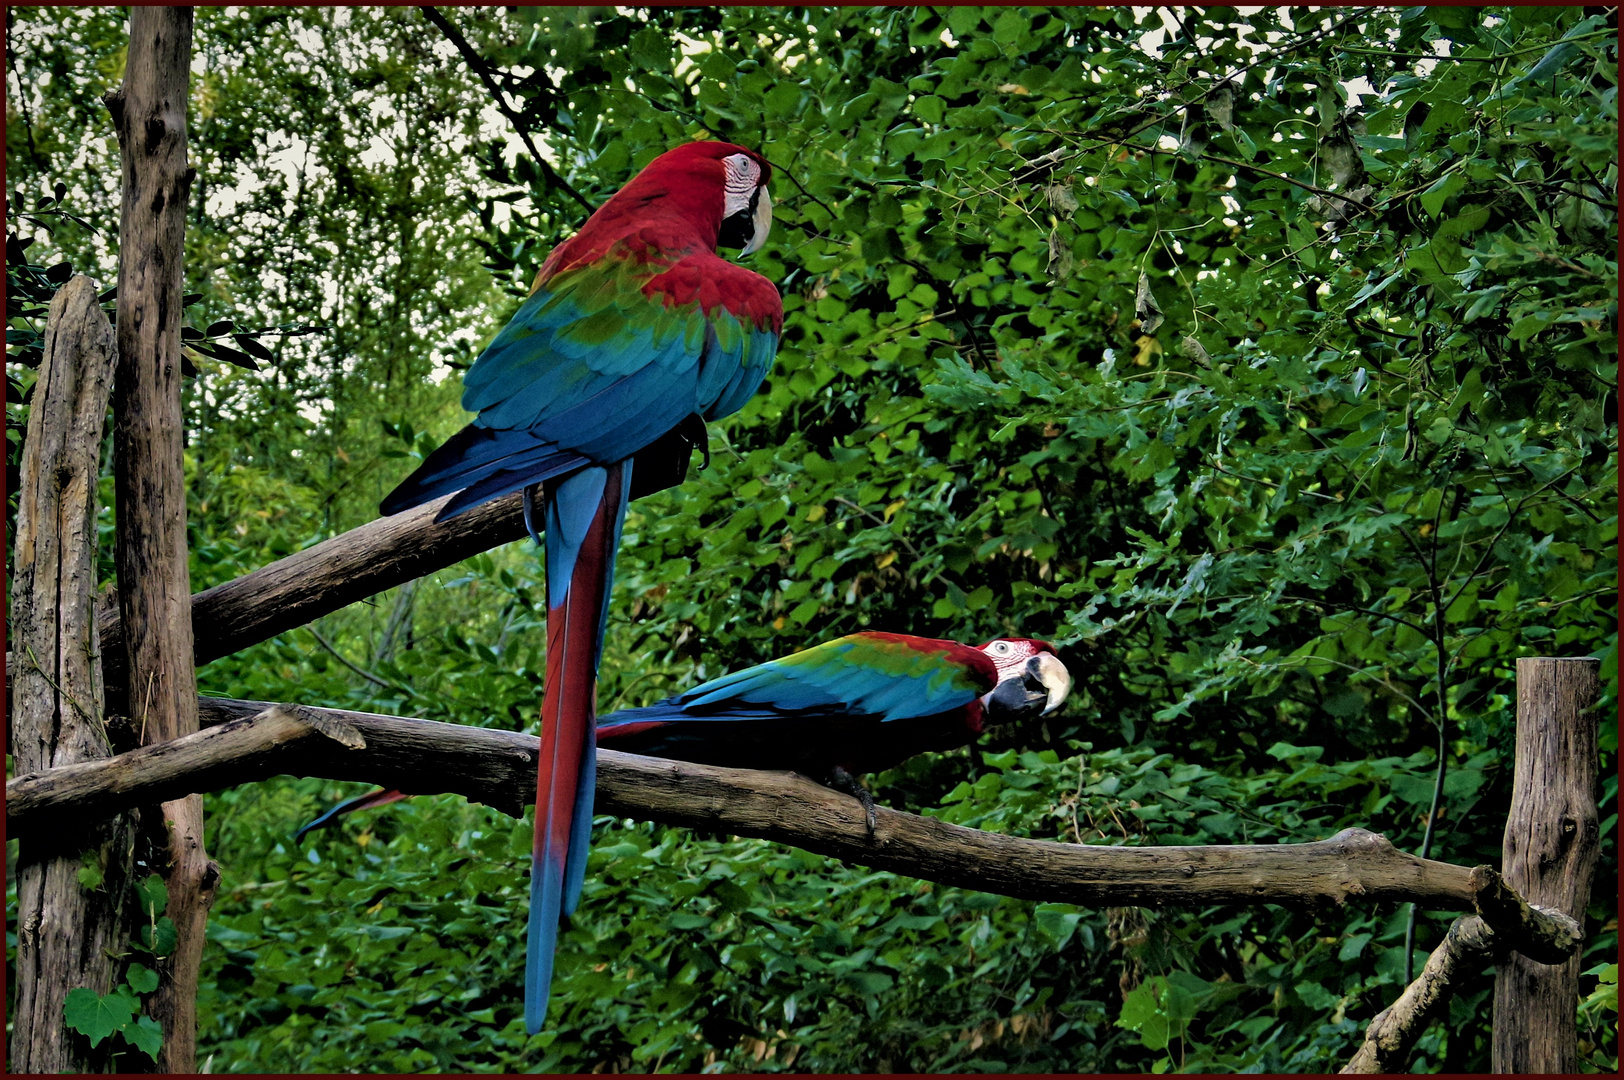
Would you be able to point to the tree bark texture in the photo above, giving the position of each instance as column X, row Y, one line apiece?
column 66, row 930
column 1551, row 844
column 333, row 574
column 149, row 113
column 256, row 740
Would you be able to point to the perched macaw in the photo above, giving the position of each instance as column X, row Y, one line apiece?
column 635, row 333
column 857, row 704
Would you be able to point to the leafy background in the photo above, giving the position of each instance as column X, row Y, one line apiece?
column 1264, row 362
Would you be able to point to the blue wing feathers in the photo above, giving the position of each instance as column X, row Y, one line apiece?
column 833, row 680
column 515, row 474
column 577, row 372
column 469, row 456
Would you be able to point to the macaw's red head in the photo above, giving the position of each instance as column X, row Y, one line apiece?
column 1030, row 678
column 716, row 190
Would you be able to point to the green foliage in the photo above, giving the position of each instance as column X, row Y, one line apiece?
column 99, row 1015
column 1264, row 363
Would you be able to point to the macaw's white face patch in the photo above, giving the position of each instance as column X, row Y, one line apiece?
column 747, row 211
column 743, row 177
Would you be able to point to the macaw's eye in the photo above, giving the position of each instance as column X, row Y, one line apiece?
column 1001, row 648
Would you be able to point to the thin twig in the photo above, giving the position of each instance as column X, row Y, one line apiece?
column 22, row 93
column 483, row 70
column 341, row 658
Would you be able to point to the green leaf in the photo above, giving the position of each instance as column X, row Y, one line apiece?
column 90, row 871
column 157, row 939
column 153, row 895
column 95, row 1015
column 146, row 1035
column 1142, row 1012
column 1057, row 922
column 1443, row 188
column 142, row 979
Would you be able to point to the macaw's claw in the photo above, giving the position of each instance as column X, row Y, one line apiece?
column 841, row 780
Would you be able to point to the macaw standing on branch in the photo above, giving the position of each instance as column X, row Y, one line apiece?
column 857, row 704
column 635, row 333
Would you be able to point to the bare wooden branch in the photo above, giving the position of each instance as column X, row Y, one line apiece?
column 148, row 482
column 498, row 768
column 1471, row 942
column 330, row 575
column 1392, row 1034
column 65, row 930
column 202, row 761
column 1551, row 845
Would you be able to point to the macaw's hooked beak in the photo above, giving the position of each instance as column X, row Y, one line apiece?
column 761, row 222
column 1039, row 690
column 746, row 228
column 1045, row 674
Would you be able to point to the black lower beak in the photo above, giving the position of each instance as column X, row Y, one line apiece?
column 1016, row 699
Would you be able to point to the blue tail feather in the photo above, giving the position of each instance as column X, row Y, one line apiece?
column 541, row 938
column 581, row 827
column 578, row 558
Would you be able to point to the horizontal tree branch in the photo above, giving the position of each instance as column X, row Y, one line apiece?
column 252, row 740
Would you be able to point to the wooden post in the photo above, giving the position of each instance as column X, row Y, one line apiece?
column 66, row 930
column 1550, row 856
column 154, row 587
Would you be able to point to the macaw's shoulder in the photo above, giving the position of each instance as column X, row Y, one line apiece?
column 666, row 260
column 712, row 282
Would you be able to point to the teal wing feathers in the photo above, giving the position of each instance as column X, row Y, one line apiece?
column 891, row 676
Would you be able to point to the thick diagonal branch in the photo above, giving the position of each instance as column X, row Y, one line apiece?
column 330, row 575
column 1547, row 936
column 498, row 768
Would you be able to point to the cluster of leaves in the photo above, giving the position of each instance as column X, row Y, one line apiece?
column 1265, row 363
column 29, row 290
column 97, row 1016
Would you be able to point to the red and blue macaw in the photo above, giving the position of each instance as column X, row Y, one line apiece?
column 857, row 704
column 634, row 334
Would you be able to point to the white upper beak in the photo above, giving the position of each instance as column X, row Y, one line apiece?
column 1055, row 678
column 763, row 222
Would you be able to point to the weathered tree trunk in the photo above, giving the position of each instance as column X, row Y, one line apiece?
column 1550, row 856
column 66, row 930
column 150, row 487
